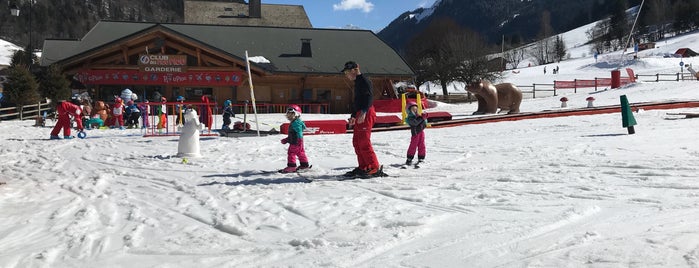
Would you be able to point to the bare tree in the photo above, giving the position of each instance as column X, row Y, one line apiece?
column 444, row 52
column 514, row 56
column 599, row 37
column 543, row 49
column 546, row 29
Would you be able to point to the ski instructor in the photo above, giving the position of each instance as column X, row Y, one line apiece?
column 362, row 119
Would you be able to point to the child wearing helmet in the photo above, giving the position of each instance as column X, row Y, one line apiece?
column 295, row 140
column 417, row 123
column 132, row 114
column 144, row 106
column 161, row 112
column 118, row 112
column 227, row 114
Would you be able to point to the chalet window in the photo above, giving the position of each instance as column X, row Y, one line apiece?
column 323, row 95
column 195, row 93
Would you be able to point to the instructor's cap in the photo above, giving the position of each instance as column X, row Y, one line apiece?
column 349, row 66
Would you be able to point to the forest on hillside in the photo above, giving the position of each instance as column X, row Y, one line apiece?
column 71, row 19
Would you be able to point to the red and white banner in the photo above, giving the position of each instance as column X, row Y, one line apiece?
column 135, row 77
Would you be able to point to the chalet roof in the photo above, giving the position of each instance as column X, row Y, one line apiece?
column 330, row 48
column 232, row 13
column 686, row 52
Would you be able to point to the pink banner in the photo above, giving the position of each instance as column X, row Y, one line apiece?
column 135, row 77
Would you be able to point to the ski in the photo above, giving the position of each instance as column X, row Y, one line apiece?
column 405, row 166
column 417, row 165
column 378, row 174
column 298, row 170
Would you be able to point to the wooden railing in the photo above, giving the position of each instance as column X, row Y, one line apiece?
column 667, row 77
column 311, row 108
column 24, row 112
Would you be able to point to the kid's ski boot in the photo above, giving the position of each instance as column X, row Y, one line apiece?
column 288, row 170
column 303, row 167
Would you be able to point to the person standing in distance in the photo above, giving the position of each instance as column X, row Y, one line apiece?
column 362, row 120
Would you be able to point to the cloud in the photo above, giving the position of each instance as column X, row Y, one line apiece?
column 365, row 6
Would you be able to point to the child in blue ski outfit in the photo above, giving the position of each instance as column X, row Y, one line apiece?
column 417, row 123
column 227, row 114
column 132, row 114
column 295, row 140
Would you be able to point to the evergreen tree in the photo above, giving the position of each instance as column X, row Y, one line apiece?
column 685, row 16
column 21, row 88
column 619, row 24
column 55, row 86
column 20, row 58
column 560, row 48
column 444, row 53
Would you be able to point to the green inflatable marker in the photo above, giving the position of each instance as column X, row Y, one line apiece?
column 627, row 119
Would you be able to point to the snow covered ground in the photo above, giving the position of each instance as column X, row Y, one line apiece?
column 559, row 192
column 7, row 49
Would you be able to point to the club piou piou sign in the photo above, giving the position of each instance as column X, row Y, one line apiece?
column 162, row 63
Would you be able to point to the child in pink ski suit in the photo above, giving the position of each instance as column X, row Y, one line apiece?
column 417, row 140
column 295, row 140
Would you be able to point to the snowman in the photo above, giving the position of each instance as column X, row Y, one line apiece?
column 188, row 145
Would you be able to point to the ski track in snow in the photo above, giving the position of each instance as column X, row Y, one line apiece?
column 248, row 213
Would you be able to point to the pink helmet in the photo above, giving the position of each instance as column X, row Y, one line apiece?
column 410, row 104
column 294, row 108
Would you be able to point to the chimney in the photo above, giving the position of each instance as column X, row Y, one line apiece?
column 306, row 48
column 255, row 8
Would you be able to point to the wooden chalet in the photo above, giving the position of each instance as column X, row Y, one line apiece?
column 290, row 65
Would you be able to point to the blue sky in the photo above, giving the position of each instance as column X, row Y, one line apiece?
column 366, row 14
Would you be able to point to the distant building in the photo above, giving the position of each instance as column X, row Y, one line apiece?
column 686, row 52
column 644, row 46
column 243, row 14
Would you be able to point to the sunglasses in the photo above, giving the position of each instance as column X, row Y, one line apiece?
column 290, row 110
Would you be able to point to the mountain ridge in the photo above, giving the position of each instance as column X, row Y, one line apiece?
column 518, row 21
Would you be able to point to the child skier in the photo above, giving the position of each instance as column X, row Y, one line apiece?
column 417, row 123
column 118, row 112
column 144, row 113
column 295, row 140
column 227, row 114
column 161, row 112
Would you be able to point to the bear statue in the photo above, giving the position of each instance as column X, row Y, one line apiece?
column 505, row 96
